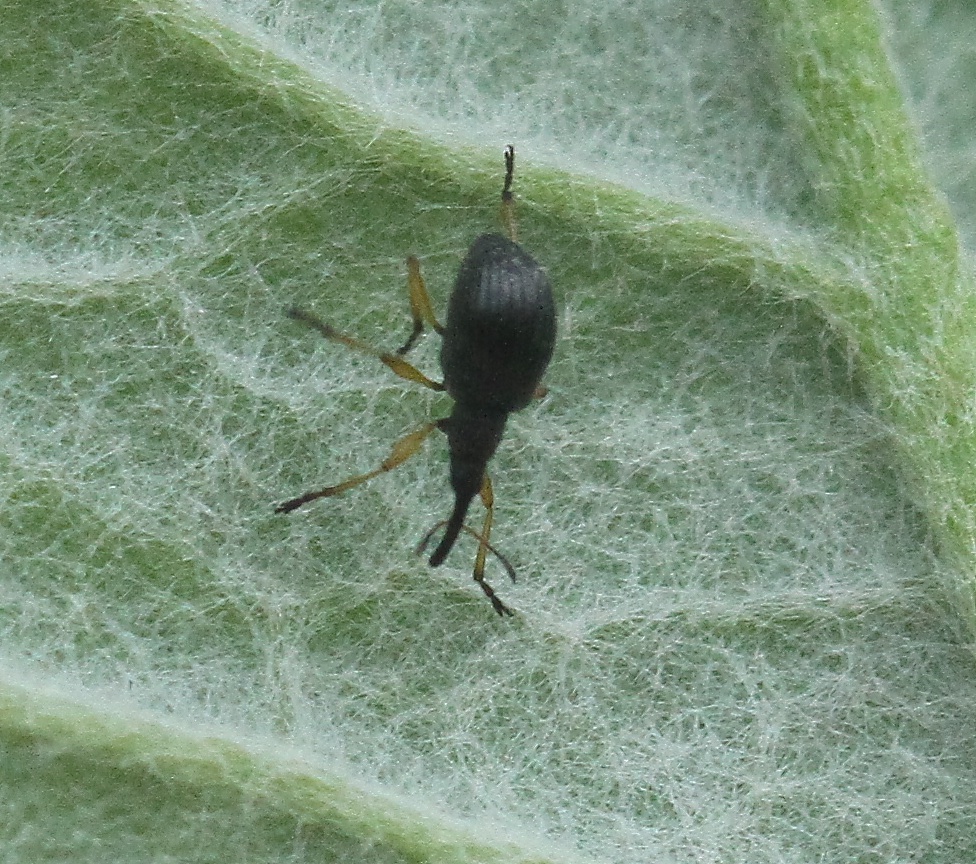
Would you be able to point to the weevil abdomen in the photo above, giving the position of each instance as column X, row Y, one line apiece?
column 501, row 327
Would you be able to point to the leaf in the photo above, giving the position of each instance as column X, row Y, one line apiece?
column 741, row 519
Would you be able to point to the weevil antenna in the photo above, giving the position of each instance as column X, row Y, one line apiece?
column 425, row 542
column 454, row 526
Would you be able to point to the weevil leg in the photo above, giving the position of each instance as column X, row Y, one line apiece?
column 420, row 306
column 508, row 199
column 394, row 362
column 401, row 451
column 488, row 499
column 483, row 546
column 425, row 542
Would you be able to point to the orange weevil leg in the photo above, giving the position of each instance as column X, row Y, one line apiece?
column 488, row 499
column 420, row 306
column 395, row 362
column 401, row 451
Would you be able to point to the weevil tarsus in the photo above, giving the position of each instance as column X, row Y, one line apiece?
column 403, row 448
column 453, row 527
column 508, row 199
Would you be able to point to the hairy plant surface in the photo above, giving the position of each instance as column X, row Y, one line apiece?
column 742, row 517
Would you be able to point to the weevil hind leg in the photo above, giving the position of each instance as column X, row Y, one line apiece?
column 394, row 362
column 401, row 451
column 421, row 309
column 508, row 199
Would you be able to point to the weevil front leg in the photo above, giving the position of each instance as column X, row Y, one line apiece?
column 488, row 499
column 401, row 451
column 420, row 306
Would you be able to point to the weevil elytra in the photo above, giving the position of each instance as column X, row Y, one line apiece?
column 497, row 343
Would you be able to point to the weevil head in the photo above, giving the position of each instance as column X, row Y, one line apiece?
column 473, row 435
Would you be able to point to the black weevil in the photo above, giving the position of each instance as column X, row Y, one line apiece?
column 499, row 337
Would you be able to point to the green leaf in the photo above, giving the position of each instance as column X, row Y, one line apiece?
column 742, row 518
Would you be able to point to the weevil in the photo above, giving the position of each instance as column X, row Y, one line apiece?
column 497, row 342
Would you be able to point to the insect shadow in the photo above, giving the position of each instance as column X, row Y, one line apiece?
column 497, row 343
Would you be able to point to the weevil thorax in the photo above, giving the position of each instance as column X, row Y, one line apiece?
column 501, row 327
